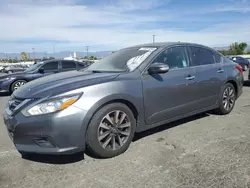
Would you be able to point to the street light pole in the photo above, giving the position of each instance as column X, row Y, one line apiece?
column 33, row 49
column 87, row 50
column 153, row 38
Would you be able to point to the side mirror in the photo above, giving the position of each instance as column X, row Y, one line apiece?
column 41, row 70
column 158, row 68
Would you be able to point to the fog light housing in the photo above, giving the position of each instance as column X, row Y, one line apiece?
column 44, row 142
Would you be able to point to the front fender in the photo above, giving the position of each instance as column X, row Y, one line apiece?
column 136, row 102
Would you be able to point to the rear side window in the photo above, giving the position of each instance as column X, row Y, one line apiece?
column 218, row 58
column 201, row 56
column 51, row 66
column 68, row 65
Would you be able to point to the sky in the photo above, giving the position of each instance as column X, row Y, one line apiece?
column 113, row 24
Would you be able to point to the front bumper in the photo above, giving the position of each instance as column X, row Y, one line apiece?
column 58, row 133
column 5, row 85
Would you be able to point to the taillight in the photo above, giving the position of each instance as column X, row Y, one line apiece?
column 239, row 68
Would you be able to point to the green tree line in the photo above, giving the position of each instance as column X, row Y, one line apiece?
column 236, row 49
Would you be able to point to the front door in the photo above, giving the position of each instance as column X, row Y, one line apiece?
column 170, row 94
column 49, row 68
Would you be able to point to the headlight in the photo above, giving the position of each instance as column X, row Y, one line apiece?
column 52, row 105
column 4, row 79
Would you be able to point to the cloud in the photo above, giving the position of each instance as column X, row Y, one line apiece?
column 115, row 25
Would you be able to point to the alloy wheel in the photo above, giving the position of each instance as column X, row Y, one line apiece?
column 114, row 130
column 18, row 84
column 228, row 98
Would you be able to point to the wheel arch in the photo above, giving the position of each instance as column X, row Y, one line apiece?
column 15, row 81
column 124, row 99
column 233, row 82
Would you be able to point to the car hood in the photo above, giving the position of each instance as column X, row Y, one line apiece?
column 60, row 83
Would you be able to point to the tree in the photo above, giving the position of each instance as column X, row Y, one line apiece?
column 15, row 60
column 237, row 48
column 92, row 58
column 24, row 56
column 224, row 52
column 51, row 58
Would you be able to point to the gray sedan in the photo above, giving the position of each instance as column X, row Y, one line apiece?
column 132, row 90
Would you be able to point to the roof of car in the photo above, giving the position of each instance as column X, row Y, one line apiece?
column 163, row 44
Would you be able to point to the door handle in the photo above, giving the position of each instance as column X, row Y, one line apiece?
column 220, row 70
column 190, row 77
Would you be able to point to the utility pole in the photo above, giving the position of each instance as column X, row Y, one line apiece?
column 54, row 47
column 33, row 50
column 153, row 38
column 87, row 51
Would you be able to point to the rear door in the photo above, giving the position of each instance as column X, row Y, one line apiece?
column 68, row 65
column 209, row 75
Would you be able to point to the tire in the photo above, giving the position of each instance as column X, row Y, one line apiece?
column 97, row 131
column 10, row 72
column 228, row 97
column 15, row 85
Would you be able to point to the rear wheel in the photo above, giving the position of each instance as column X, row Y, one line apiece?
column 227, row 99
column 15, row 85
column 110, row 131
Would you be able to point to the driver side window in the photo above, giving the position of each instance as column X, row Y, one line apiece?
column 175, row 57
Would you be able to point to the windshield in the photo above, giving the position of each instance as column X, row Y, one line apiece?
column 123, row 60
column 33, row 67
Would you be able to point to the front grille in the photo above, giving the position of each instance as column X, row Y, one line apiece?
column 14, row 102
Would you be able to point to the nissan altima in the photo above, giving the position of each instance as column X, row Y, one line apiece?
column 99, row 109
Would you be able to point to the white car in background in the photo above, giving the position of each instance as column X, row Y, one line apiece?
column 1, row 68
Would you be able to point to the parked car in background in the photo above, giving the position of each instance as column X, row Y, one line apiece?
column 131, row 90
column 14, row 68
column 244, row 63
column 11, row 82
column 2, row 68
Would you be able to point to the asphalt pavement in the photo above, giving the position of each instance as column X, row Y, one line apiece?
column 199, row 152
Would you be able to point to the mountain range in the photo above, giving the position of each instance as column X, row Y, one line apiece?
column 39, row 55
column 98, row 54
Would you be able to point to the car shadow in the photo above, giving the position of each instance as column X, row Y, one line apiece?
column 161, row 128
column 4, row 94
column 247, row 83
column 54, row 159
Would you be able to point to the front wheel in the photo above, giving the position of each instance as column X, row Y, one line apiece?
column 17, row 84
column 110, row 131
column 227, row 99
